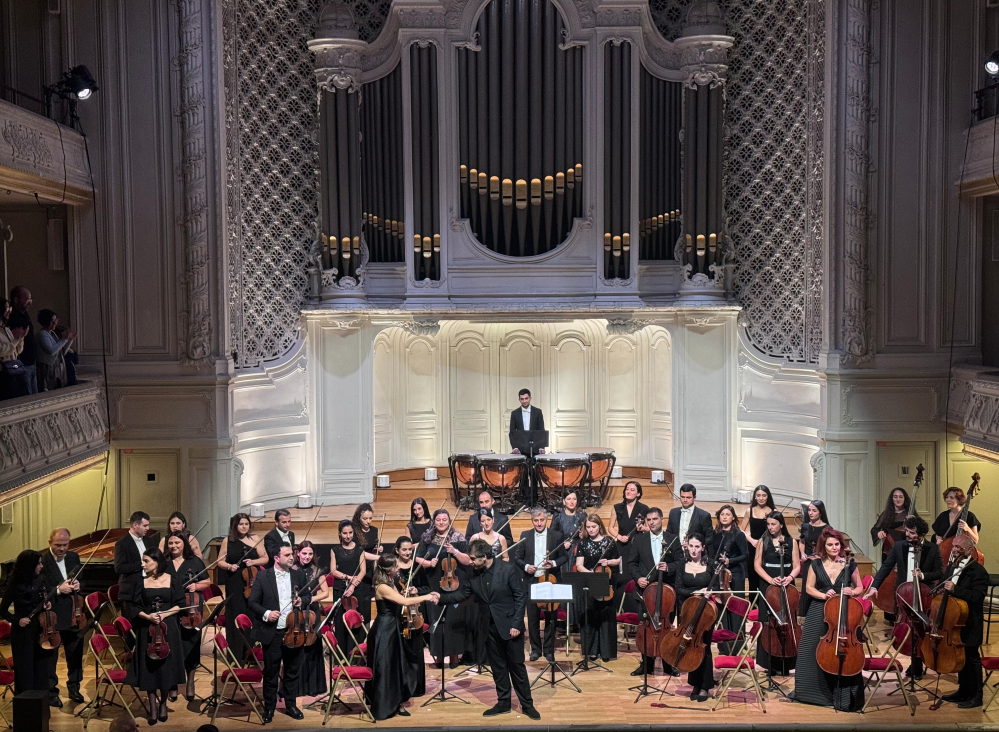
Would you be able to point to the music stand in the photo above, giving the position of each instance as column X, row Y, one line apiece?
column 563, row 593
column 529, row 442
column 213, row 700
column 443, row 694
column 587, row 585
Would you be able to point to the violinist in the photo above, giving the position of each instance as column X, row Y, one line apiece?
column 449, row 636
column 540, row 553
column 754, row 523
column 157, row 601
column 411, row 574
column 812, row 685
column 689, row 518
column 487, row 532
column 889, row 528
column 692, row 577
column 312, row 679
column 727, row 534
column 367, row 537
column 348, row 567
column 501, row 522
column 949, row 522
column 178, row 523
column 419, row 519
column 280, row 535
column 394, row 668
column 808, row 534
column 777, row 562
column 241, row 549
column 568, row 520
column 184, row 566
column 57, row 565
column 128, row 558
column 597, row 619
column 902, row 556
column 271, row 601
column 653, row 551
column 969, row 581
column 25, row 591
column 628, row 514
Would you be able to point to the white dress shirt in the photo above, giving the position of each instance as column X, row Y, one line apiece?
column 525, row 414
column 139, row 542
column 960, row 568
column 540, row 549
column 284, row 596
column 657, row 546
column 285, row 539
column 910, row 562
column 685, row 515
column 61, row 564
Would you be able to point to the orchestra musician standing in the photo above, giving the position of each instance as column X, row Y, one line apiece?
column 57, row 565
column 178, row 523
column 367, row 537
column 949, row 522
column 692, row 577
column 448, row 638
column 540, row 552
column 25, row 592
column 754, row 524
column 890, row 525
column 312, row 679
column 501, row 522
column 348, row 567
column 419, row 519
column 627, row 521
column 689, row 518
column 240, row 550
column 808, row 534
column 969, row 581
column 128, row 559
column 776, row 562
column 597, row 619
column 280, row 535
column 526, row 418
column 411, row 574
column 727, row 535
column 183, row 565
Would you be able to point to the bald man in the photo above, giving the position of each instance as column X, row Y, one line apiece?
column 58, row 565
column 969, row 581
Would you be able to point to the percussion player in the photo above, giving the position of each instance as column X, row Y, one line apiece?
column 526, row 418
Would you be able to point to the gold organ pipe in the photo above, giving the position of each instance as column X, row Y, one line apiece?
column 473, row 179
column 536, row 192
column 521, row 193
column 507, row 192
column 700, row 245
column 494, row 187
column 607, row 242
column 626, row 242
column 482, row 183
column 437, row 243
column 549, row 187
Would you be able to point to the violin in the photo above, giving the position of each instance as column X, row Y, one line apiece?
column 639, row 521
column 301, row 624
column 683, row 647
column 249, row 575
column 656, row 597
column 50, row 637
column 841, row 650
column 913, row 599
column 159, row 646
column 449, row 565
column 783, row 633
column 411, row 616
column 885, row 599
column 948, row 543
column 942, row 648
column 195, row 601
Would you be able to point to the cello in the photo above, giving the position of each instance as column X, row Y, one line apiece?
column 300, row 628
column 913, row 598
column 942, row 648
column 841, row 651
column 782, row 634
column 655, row 597
column 683, row 647
column 948, row 543
column 885, row 599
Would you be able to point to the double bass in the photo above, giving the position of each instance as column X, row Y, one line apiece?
column 885, row 599
column 841, row 650
column 948, row 543
column 683, row 647
column 656, row 597
column 942, row 648
column 781, row 636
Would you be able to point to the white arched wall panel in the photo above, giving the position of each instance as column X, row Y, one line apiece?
column 384, row 368
column 621, row 416
column 660, row 398
column 468, row 376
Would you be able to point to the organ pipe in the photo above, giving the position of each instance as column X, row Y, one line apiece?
column 382, row 176
column 340, row 185
column 426, row 163
column 617, row 160
column 703, row 220
column 661, row 109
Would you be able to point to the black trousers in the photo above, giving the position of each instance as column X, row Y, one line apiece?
column 31, row 661
column 277, row 654
column 969, row 678
column 534, row 611
column 72, row 645
column 506, row 656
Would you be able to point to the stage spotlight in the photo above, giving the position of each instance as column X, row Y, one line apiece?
column 80, row 83
column 992, row 64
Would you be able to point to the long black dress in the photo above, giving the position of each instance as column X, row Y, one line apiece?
column 757, row 528
column 738, row 554
column 703, row 677
column 190, row 638
column 812, row 685
column 598, row 621
column 809, row 535
column 416, row 529
column 393, row 669
column 312, row 674
column 235, row 599
column 369, row 540
column 147, row 674
column 450, row 638
column 417, row 641
column 347, row 562
column 772, row 560
column 31, row 661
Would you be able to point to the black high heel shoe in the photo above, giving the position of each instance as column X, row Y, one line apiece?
column 163, row 712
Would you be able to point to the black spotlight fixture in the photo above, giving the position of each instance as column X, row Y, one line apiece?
column 992, row 64
column 76, row 85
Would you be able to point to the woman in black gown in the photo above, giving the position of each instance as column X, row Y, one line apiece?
column 569, row 520
column 367, row 537
column 419, row 519
column 189, row 571
column 393, row 667
column 411, row 575
column 449, row 639
column 777, row 562
column 694, row 576
column 728, row 535
column 348, row 567
column 808, row 534
column 812, row 685
column 26, row 591
column 241, row 549
column 312, row 676
column 947, row 523
column 628, row 516
column 754, row 525
column 158, row 600
column 178, row 523
column 597, row 619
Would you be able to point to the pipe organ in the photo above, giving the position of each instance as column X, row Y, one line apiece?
column 454, row 149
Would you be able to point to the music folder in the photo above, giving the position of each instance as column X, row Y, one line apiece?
column 551, row 592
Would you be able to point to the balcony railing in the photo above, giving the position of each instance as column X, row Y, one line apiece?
column 49, row 435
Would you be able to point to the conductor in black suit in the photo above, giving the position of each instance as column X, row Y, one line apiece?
column 526, row 418
column 128, row 558
column 969, row 582
column 688, row 519
column 530, row 555
column 270, row 602
column 59, row 565
column 280, row 535
column 500, row 594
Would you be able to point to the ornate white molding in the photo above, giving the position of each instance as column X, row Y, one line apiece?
column 704, row 59
column 626, row 326
column 337, row 49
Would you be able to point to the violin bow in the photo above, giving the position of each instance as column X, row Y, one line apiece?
column 381, row 528
column 662, row 556
column 241, row 558
column 511, row 547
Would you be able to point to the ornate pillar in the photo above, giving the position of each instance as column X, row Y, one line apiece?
column 703, row 247
column 340, row 252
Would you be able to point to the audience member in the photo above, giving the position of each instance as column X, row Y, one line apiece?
column 50, row 369
column 20, row 299
column 69, row 356
column 13, row 376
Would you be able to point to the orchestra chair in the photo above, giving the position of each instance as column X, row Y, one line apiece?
column 254, row 651
column 744, row 662
column 110, row 676
column 6, row 661
column 97, row 603
column 879, row 666
column 123, row 629
column 990, row 607
column 871, row 645
column 328, row 602
column 628, row 620
column 242, row 680
column 340, row 670
column 352, row 620
column 213, row 596
column 737, row 606
column 113, row 592
column 990, row 664
column 7, row 682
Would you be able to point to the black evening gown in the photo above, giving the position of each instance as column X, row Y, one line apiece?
column 147, row 674
column 703, row 677
column 417, row 641
column 738, row 554
column 809, row 535
column 31, row 661
column 451, row 635
column 369, row 540
column 598, row 620
column 812, row 685
column 190, row 638
column 757, row 528
column 235, row 599
column 312, row 674
column 393, row 670
column 772, row 565
column 943, row 528
column 347, row 562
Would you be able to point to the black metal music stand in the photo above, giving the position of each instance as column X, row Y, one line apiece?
column 214, row 699
column 915, row 639
column 529, row 442
column 587, row 585
column 442, row 695
column 551, row 626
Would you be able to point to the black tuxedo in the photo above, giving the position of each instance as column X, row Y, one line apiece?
column 273, row 543
column 501, row 525
column 62, row 604
column 641, row 561
column 128, row 565
column 700, row 523
column 524, row 556
column 929, row 562
column 972, row 586
column 517, row 421
column 263, row 598
column 500, row 594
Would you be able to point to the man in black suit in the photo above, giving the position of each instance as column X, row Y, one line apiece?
column 500, row 594
column 902, row 555
column 969, row 582
column 526, row 418
column 530, row 555
column 688, row 519
column 59, row 565
column 128, row 559
column 280, row 535
column 647, row 549
column 270, row 602
column 501, row 522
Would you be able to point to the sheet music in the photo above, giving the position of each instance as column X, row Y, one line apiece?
column 550, row 592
